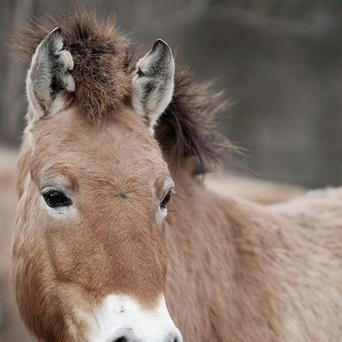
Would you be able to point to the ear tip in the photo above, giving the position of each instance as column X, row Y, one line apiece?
column 56, row 32
column 55, row 38
column 160, row 43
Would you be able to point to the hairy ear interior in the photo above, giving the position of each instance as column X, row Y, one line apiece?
column 153, row 83
column 49, row 81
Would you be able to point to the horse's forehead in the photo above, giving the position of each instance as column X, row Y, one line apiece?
column 118, row 144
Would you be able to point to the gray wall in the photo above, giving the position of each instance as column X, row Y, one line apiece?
column 279, row 61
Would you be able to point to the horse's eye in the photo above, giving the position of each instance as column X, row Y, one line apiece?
column 165, row 200
column 56, row 199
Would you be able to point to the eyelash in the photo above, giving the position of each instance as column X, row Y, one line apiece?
column 165, row 200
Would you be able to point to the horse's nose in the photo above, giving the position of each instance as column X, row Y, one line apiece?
column 121, row 318
column 173, row 336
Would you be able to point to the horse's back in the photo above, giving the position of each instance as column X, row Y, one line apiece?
column 316, row 209
column 314, row 221
column 311, row 227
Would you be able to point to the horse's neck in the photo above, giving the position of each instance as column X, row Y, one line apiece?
column 216, row 269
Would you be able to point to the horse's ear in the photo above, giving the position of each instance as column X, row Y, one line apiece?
column 49, row 82
column 153, row 83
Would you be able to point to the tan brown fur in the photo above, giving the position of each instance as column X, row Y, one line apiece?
column 243, row 272
column 106, row 177
column 236, row 271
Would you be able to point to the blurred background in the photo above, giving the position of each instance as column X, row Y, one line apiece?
column 280, row 63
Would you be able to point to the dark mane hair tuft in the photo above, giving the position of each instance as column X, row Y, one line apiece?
column 99, row 54
column 187, row 129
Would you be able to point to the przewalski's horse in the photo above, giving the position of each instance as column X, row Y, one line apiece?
column 108, row 142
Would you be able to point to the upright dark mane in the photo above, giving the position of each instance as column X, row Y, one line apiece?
column 187, row 128
column 102, row 72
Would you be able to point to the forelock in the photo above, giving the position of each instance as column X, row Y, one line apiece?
column 99, row 53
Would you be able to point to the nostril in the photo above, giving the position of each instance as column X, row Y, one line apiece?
column 175, row 337
column 121, row 339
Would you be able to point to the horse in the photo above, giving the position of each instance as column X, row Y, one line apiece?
column 117, row 237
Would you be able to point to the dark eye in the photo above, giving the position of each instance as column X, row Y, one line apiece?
column 56, row 199
column 165, row 200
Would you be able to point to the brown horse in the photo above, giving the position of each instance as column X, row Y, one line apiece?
column 109, row 140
